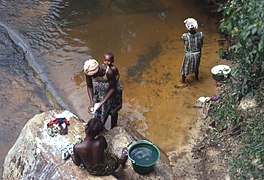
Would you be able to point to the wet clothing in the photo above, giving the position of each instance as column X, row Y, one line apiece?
column 58, row 125
column 110, row 164
column 192, row 46
column 100, row 88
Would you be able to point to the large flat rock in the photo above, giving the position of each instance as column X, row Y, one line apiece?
column 37, row 155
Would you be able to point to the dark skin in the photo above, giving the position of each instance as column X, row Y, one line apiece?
column 89, row 152
column 108, row 60
column 111, row 80
column 112, row 77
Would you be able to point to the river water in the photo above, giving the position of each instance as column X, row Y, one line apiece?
column 45, row 42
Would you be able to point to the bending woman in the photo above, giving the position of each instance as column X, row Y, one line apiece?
column 104, row 91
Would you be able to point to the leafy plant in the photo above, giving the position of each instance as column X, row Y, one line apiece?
column 243, row 22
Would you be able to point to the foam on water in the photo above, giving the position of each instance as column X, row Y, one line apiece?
column 145, row 155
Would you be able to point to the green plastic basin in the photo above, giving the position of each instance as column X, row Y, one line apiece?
column 143, row 155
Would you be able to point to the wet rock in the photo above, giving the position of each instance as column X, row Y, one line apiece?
column 37, row 155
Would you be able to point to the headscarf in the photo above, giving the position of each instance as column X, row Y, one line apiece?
column 90, row 67
column 191, row 24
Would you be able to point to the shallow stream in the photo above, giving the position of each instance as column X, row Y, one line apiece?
column 45, row 42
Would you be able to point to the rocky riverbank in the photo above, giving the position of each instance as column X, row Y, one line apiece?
column 21, row 98
column 37, row 155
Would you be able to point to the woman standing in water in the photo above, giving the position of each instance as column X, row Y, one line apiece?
column 193, row 43
column 104, row 89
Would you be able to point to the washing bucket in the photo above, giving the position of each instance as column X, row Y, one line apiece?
column 143, row 155
column 221, row 72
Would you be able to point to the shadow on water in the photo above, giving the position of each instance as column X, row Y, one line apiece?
column 82, row 12
column 144, row 35
column 134, row 73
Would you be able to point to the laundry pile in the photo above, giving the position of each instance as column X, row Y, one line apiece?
column 58, row 126
column 67, row 150
column 202, row 101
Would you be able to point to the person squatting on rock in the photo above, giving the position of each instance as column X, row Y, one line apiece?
column 104, row 88
column 193, row 43
column 92, row 154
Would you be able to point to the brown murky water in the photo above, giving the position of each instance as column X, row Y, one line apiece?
column 145, row 38
column 149, row 53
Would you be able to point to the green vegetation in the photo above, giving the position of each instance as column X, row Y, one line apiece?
column 243, row 25
column 244, row 22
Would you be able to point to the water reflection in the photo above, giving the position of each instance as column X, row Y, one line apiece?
column 80, row 12
column 144, row 35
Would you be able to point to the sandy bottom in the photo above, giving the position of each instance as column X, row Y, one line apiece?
column 148, row 52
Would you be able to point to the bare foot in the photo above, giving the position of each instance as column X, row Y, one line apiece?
column 124, row 157
column 181, row 85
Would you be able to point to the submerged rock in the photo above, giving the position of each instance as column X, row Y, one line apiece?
column 37, row 155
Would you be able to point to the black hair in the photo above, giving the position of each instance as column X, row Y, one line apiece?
column 94, row 127
column 111, row 55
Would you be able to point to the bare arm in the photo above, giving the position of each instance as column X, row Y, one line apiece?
column 202, row 43
column 75, row 158
column 112, row 86
column 89, row 84
column 115, row 69
column 202, row 39
column 103, row 141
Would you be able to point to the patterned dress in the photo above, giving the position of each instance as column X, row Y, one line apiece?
column 192, row 46
column 109, row 165
column 100, row 88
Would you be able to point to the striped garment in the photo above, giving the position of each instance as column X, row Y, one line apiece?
column 192, row 45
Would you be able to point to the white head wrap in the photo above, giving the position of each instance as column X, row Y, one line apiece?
column 191, row 23
column 90, row 67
